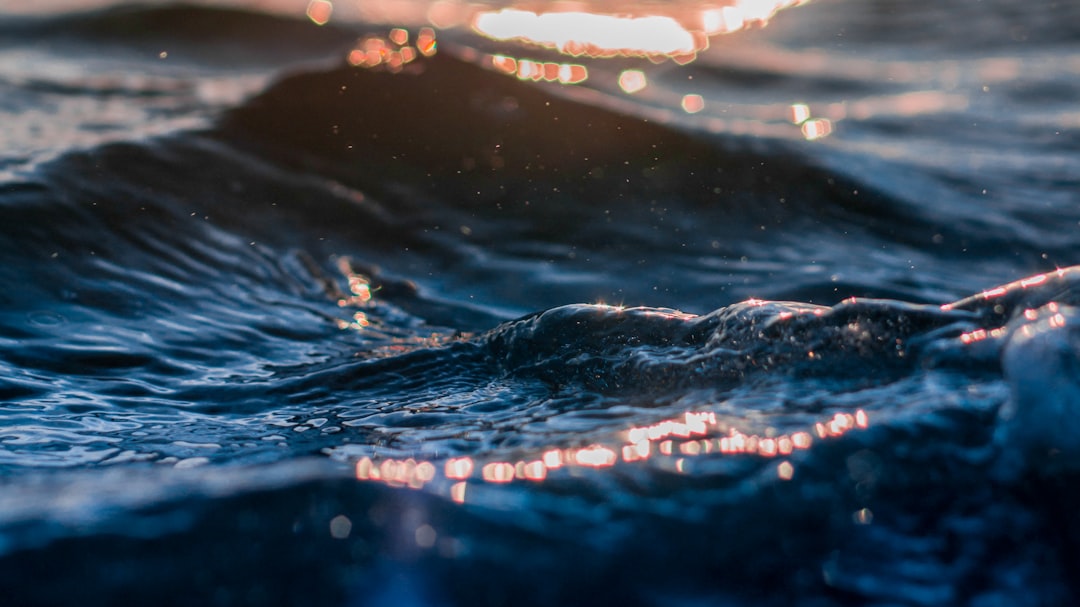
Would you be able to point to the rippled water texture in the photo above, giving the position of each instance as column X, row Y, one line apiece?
column 405, row 303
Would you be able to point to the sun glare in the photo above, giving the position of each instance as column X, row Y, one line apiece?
column 530, row 37
column 589, row 34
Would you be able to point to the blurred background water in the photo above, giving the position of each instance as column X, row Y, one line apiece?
column 414, row 303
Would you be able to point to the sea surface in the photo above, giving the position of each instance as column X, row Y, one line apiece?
column 405, row 304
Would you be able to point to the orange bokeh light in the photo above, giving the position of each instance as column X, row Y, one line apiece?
column 319, row 11
column 693, row 434
column 817, row 128
column 692, row 104
column 498, row 472
column 632, row 81
column 459, row 468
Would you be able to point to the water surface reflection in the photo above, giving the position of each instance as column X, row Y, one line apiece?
column 693, row 434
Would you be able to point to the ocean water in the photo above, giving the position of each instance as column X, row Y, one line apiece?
column 430, row 304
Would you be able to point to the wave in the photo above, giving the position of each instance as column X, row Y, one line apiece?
column 338, row 339
column 936, row 435
column 491, row 153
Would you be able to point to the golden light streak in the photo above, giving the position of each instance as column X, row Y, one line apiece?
column 690, row 423
column 596, row 456
column 580, row 33
column 638, row 29
column 681, row 437
column 572, row 73
column 650, row 30
column 537, row 71
column 981, row 334
column 1033, row 281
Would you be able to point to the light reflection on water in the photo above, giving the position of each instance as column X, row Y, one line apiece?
column 583, row 31
column 634, row 50
column 691, row 435
column 599, row 28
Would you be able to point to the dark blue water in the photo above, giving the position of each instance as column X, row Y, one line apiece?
column 277, row 328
